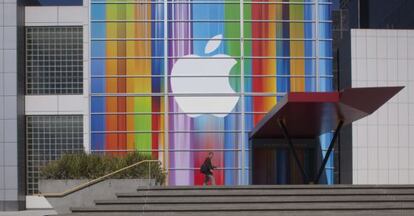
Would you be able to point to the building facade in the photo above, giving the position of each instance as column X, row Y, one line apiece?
column 382, row 142
column 170, row 79
column 379, row 14
column 12, row 180
column 375, row 50
column 177, row 80
column 56, row 83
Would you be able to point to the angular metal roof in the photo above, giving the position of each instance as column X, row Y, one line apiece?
column 310, row 114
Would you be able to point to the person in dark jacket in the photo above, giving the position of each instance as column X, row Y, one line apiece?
column 207, row 170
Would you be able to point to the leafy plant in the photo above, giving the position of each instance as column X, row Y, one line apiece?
column 89, row 166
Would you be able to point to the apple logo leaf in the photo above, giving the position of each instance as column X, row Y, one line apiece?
column 213, row 44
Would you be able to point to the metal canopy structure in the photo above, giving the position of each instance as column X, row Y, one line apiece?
column 311, row 114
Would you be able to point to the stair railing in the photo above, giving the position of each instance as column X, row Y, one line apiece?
column 97, row 180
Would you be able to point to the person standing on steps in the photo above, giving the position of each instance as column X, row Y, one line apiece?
column 207, row 169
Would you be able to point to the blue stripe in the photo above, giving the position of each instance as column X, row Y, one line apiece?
column 98, row 85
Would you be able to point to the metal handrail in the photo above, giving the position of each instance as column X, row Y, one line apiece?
column 94, row 181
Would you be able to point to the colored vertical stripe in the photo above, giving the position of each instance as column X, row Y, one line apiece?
column 181, row 160
column 297, row 68
column 111, row 139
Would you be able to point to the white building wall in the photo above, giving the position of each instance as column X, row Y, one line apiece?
column 383, row 143
column 54, row 15
column 54, row 105
column 63, row 104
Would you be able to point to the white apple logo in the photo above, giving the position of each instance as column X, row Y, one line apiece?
column 190, row 74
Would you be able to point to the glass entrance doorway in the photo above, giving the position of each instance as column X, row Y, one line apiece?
column 276, row 165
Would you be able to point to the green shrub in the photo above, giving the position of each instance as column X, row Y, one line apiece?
column 89, row 166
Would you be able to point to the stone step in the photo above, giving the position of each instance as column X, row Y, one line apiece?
column 261, row 192
column 249, row 207
column 287, row 187
column 258, row 199
column 259, row 213
column 309, row 200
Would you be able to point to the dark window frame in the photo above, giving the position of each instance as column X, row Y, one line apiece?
column 53, row 2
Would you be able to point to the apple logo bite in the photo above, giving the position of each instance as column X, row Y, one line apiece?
column 193, row 74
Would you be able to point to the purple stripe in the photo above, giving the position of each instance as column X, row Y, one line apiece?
column 179, row 122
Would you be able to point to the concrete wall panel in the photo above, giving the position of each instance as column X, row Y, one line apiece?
column 11, row 24
column 383, row 144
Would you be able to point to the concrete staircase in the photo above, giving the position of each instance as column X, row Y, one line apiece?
column 303, row 200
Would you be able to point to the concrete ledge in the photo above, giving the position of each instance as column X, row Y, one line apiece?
column 85, row 197
column 37, row 202
column 261, row 213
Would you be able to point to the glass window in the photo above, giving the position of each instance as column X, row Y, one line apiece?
column 48, row 138
column 199, row 75
column 54, row 60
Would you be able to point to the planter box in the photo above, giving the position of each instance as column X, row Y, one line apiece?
column 101, row 191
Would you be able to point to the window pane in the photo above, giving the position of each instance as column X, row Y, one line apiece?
column 54, row 60
column 48, row 138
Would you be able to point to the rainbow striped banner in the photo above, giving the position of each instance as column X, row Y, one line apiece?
column 279, row 46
